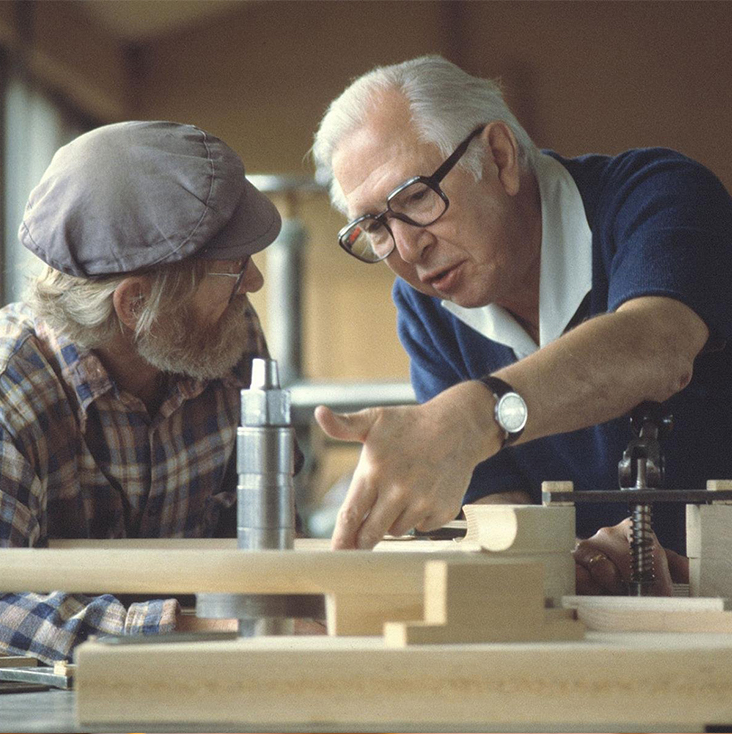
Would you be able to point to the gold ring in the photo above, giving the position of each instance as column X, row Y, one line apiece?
column 597, row 557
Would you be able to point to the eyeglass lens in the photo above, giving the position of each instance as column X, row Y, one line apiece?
column 370, row 239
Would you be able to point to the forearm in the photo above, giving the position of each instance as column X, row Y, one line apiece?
column 417, row 461
column 606, row 366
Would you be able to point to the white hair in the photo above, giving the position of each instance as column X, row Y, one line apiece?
column 446, row 105
column 82, row 309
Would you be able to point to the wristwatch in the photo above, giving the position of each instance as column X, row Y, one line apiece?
column 511, row 411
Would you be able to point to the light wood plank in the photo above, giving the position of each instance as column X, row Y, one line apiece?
column 366, row 613
column 651, row 614
column 608, row 682
column 190, row 571
column 206, row 544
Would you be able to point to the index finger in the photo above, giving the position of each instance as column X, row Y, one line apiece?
column 354, row 511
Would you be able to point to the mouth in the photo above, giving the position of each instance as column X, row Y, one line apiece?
column 443, row 280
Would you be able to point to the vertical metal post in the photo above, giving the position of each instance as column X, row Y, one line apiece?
column 284, row 299
column 265, row 492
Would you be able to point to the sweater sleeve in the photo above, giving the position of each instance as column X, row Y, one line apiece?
column 670, row 225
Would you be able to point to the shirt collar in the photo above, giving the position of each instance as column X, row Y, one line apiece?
column 80, row 368
column 565, row 271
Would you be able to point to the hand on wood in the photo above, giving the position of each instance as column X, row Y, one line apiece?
column 414, row 467
column 602, row 563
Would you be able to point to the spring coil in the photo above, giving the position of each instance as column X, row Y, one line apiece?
column 642, row 574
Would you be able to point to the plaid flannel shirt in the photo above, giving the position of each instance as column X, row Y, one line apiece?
column 80, row 458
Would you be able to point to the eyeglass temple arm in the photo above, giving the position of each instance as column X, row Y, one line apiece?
column 448, row 165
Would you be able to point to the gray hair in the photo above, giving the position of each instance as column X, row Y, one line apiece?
column 82, row 309
column 446, row 104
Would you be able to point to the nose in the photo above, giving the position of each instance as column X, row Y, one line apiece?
column 253, row 279
column 411, row 242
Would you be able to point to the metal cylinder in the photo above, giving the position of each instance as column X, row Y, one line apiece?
column 265, row 458
column 265, row 493
column 265, row 463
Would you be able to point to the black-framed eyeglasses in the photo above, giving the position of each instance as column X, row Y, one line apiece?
column 239, row 278
column 419, row 201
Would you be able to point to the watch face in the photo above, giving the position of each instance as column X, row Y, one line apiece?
column 511, row 412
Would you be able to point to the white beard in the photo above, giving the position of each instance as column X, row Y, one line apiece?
column 178, row 344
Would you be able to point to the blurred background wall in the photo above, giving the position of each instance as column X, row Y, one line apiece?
column 582, row 76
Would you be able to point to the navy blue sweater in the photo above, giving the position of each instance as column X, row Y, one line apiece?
column 661, row 225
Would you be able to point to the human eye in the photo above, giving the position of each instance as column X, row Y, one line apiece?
column 371, row 226
column 413, row 199
column 417, row 195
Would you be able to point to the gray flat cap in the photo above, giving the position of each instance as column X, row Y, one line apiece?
column 138, row 194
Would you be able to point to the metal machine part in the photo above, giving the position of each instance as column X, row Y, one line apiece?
column 640, row 473
column 254, row 606
column 265, row 457
column 265, row 452
column 641, row 468
column 687, row 496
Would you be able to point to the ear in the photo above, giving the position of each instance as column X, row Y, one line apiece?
column 502, row 159
column 129, row 298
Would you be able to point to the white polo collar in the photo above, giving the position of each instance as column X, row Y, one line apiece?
column 565, row 271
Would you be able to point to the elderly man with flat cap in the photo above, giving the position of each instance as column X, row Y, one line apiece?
column 119, row 382
column 540, row 299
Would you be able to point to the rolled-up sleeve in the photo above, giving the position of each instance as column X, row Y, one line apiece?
column 50, row 626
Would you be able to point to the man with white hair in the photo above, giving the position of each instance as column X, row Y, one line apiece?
column 120, row 380
column 540, row 299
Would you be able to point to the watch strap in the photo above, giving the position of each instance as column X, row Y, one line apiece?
column 499, row 388
column 496, row 385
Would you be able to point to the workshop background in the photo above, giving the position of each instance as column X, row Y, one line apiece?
column 581, row 76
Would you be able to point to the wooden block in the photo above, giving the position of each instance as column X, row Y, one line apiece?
column 141, row 571
column 366, row 614
column 651, row 614
column 557, row 487
column 367, row 589
column 709, row 546
column 64, row 668
column 487, row 602
column 520, row 528
column 714, row 485
column 606, row 682
column 528, row 534
column 142, row 544
column 202, row 544
column 694, row 576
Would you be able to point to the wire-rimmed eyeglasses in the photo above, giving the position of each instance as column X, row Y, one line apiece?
column 238, row 276
column 420, row 201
